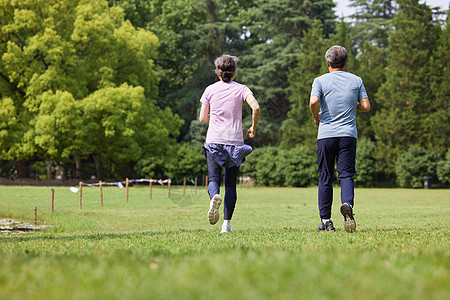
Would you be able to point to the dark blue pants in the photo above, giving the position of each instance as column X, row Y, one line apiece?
column 214, row 179
column 342, row 151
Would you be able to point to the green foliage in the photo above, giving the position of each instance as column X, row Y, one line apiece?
column 274, row 166
column 416, row 164
column 372, row 62
column 436, row 122
column 299, row 128
column 398, row 124
column 77, row 79
column 373, row 21
column 275, row 33
column 179, row 160
column 365, row 162
column 443, row 169
column 189, row 161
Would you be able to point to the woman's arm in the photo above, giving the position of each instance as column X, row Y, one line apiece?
column 251, row 100
column 204, row 114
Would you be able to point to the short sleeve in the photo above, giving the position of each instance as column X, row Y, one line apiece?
column 316, row 89
column 362, row 91
column 205, row 97
column 245, row 92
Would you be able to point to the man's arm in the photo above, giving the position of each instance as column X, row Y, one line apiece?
column 363, row 105
column 251, row 100
column 314, row 106
column 204, row 114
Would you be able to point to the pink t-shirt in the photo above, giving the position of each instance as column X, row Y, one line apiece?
column 225, row 109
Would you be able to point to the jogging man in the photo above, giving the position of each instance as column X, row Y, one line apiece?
column 335, row 99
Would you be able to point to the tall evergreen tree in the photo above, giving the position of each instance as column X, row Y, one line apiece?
column 404, row 98
column 373, row 21
column 436, row 124
column 372, row 63
column 343, row 37
column 299, row 127
column 275, row 30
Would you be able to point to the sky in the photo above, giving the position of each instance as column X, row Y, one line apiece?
column 342, row 8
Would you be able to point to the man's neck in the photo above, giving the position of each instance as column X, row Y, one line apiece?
column 335, row 69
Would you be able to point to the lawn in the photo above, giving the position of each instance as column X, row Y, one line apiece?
column 163, row 248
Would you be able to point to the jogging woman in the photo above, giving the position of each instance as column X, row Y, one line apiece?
column 224, row 147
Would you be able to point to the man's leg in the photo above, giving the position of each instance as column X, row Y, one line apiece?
column 345, row 165
column 326, row 155
column 346, row 170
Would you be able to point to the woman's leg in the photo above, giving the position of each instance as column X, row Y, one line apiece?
column 230, row 192
column 214, row 173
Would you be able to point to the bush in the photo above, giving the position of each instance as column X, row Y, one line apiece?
column 297, row 167
column 181, row 160
column 274, row 166
column 365, row 162
column 266, row 172
column 443, row 169
column 414, row 165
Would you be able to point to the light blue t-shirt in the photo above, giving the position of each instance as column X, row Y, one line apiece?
column 339, row 93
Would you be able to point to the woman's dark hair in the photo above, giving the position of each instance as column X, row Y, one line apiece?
column 225, row 67
column 336, row 57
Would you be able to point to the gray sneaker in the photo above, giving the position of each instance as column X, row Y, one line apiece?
column 349, row 221
column 328, row 226
column 213, row 213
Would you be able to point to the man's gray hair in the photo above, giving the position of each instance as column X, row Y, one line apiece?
column 336, row 56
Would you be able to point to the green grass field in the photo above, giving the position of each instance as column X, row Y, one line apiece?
column 166, row 249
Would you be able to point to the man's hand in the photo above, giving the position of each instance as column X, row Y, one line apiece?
column 314, row 106
column 317, row 121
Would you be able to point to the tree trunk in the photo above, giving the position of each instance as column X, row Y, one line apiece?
column 98, row 165
column 60, row 173
column 22, row 168
column 76, row 157
column 49, row 167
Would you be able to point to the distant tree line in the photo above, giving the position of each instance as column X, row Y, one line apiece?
column 112, row 88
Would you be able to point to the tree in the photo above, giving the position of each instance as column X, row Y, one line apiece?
column 275, row 30
column 436, row 122
column 59, row 59
column 365, row 162
column 299, row 128
column 404, row 97
column 372, row 63
column 415, row 164
column 373, row 21
column 343, row 38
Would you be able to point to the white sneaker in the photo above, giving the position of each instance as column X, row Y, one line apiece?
column 213, row 213
column 226, row 228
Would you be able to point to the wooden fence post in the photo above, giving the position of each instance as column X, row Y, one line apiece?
column 81, row 193
column 126, row 185
column 195, row 186
column 150, row 187
column 53, row 200
column 168, row 188
column 101, row 193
